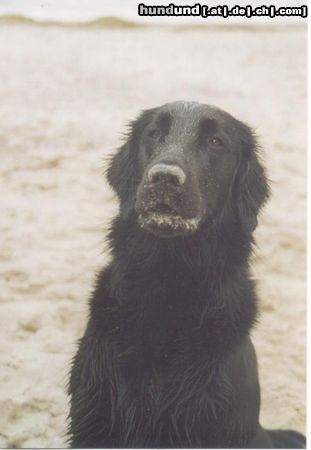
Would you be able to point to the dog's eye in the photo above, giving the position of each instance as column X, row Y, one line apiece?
column 215, row 141
column 154, row 134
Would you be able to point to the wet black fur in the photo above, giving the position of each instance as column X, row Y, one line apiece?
column 166, row 359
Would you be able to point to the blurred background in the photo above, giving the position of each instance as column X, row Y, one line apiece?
column 72, row 75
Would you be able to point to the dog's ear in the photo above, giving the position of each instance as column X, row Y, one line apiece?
column 122, row 175
column 123, row 171
column 253, row 190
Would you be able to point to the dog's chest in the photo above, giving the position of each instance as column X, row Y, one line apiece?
column 172, row 405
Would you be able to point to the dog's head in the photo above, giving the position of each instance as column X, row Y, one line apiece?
column 183, row 165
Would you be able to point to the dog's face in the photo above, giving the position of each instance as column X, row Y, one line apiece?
column 187, row 161
column 183, row 164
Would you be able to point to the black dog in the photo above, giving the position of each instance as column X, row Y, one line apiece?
column 166, row 359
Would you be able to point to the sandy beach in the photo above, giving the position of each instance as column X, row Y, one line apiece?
column 66, row 96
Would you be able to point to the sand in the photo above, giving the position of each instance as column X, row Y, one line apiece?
column 66, row 95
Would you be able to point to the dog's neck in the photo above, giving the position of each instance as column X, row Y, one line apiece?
column 211, row 254
column 202, row 279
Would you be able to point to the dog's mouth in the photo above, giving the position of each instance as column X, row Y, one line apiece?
column 167, row 225
column 164, row 221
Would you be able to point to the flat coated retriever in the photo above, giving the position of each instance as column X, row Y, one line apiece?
column 166, row 359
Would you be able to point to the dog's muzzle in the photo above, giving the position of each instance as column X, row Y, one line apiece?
column 163, row 202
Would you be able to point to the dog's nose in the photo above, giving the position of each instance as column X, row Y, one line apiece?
column 167, row 173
